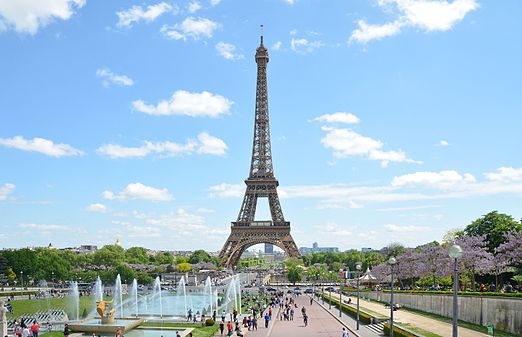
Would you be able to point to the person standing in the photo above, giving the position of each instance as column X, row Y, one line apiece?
column 221, row 327
column 66, row 331
column 35, row 328
column 267, row 319
column 25, row 332
column 254, row 323
column 305, row 319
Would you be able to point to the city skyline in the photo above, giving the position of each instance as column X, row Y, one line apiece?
column 391, row 120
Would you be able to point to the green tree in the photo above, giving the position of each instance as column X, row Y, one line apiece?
column 11, row 275
column 144, row 278
column 137, row 255
column 295, row 273
column 164, row 258
column 22, row 260
column 127, row 274
column 184, row 267
column 199, row 256
column 109, row 255
column 495, row 226
column 180, row 259
column 51, row 264
column 393, row 249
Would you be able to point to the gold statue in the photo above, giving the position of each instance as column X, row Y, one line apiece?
column 101, row 306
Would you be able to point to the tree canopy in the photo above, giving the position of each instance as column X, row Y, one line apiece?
column 494, row 226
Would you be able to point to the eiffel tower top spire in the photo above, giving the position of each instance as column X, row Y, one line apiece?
column 261, row 165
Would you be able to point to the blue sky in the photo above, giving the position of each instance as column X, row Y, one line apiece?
column 391, row 120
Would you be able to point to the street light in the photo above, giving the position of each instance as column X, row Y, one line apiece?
column 22, row 279
column 455, row 252
column 358, row 266
column 391, row 261
column 341, row 273
column 330, row 290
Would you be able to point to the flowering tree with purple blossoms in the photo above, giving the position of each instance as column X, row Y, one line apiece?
column 408, row 266
column 475, row 259
column 509, row 253
column 434, row 261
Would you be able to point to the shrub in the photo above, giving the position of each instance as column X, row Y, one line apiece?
column 399, row 331
column 209, row 322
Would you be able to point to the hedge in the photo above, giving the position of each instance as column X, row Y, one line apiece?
column 461, row 293
column 400, row 331
column 364, row 317
column 18, row 293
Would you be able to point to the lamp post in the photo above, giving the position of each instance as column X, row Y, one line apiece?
column 358, row 266
column 330, row 290
column 455, row 252
column 341, row 292
column 22, row 279
column 391, row 261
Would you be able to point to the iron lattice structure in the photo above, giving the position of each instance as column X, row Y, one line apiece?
column 261, row 183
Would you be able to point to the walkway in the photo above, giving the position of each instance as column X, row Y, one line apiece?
column 321, row 322
column 419, row 321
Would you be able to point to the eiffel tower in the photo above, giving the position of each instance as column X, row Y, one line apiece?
column 261, row 183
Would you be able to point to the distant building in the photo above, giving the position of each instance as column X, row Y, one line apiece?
column 316, row 249
column 269, row 248
column 366, row 250
column 83, row 249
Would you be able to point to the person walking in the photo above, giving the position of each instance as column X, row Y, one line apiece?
column 229, row 328
column 345, row 332
column 221, row 327
column 267, row 319
column 305, row 319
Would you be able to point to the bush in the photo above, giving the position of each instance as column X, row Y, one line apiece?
column 209, row 322
column 461, row 293
column 364, row 317
column 399, row 331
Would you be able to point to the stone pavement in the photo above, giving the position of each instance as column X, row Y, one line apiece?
column 320, row 323
column 419, row 321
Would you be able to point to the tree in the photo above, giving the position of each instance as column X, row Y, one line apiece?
column 127, row 274
column 137, row 255
column 295, row 273
column 180, row 259
column 184, row 267
column 109, row 255
column 51, row 264
column 11, row 275
column 144, row 278
column 494, row 226
column 509, row 253
column 475, row 259
column 393, row 249
column 199, row 256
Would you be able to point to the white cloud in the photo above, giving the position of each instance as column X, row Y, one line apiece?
column 303, row 46
column 290, row 2
column 215, row 2
column 228, row 51
column 366, row 32
column 443, row 143
column 206, row 144
column 211, row 145
column 277, row 45
column 440, row 180
column 96, row 208
column 193, row 104
column 28, row 16
column 44, row 229
column 135, row 14
column 139, row 191
column 348, row 143
column 505, row 174
column 225, row 190
column 427, row 15
column 41, row 145
column 406, row 229
column 193, row 7
column 196, row 28
column 6, row 190
column 109, row 77
column 338, row 117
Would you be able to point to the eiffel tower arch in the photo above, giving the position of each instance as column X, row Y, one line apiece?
column 261, row 183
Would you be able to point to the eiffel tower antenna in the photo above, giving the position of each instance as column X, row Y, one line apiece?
column 261, row 183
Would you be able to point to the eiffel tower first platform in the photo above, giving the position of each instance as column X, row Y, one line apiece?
column 261, row 183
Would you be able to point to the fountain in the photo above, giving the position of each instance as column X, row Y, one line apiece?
column 118, row 295
column 181, row 290
column 134, row 295
column 157, row 294
column 73, row 301
column 208, row 291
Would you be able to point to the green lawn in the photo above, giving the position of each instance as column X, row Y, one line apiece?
column 29, row 307
column 423, row 332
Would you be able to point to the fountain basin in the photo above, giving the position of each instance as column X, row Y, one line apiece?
column 149, row 332
column 97, row 326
